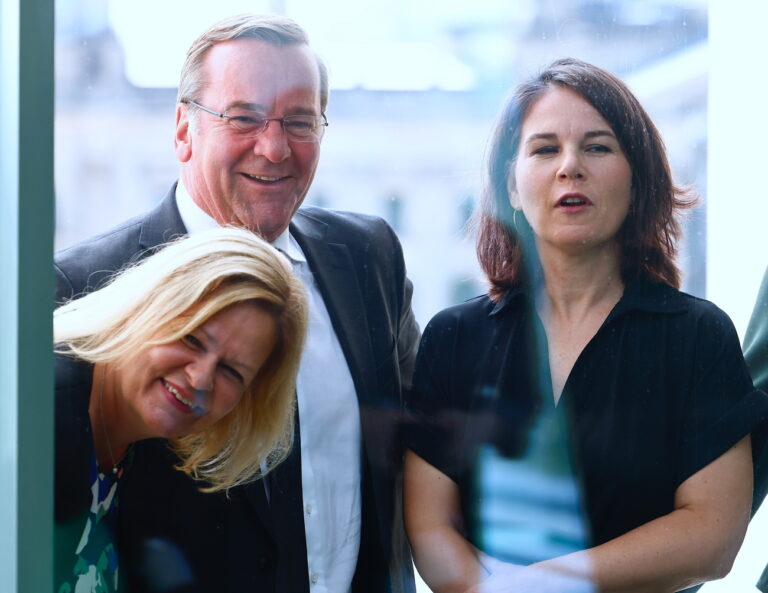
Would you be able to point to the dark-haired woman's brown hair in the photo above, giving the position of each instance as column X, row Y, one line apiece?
column 648, row 236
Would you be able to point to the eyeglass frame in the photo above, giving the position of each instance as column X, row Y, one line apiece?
column 323, row 124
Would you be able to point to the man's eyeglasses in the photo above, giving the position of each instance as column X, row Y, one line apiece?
column 301, row 128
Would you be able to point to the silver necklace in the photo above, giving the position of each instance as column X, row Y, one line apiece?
column 104, row 425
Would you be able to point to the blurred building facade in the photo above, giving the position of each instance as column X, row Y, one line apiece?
column 414, row 154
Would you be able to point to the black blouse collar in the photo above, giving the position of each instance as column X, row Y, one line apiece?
column 638, row 295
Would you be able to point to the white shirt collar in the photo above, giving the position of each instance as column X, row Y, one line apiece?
column 195, row 219
column 286, row 243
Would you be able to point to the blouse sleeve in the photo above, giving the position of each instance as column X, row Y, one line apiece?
column 756, row 355
column 723, row 406
column 756, row 338
column 433, row 418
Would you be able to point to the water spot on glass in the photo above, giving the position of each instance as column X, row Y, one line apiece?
column 487, row 391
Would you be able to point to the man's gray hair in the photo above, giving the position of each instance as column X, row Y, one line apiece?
column 276, row 30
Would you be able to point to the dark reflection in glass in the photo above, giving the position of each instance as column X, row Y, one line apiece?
column 531, row 507
column 526, row 499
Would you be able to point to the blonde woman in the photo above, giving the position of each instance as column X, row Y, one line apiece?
column 198, row 344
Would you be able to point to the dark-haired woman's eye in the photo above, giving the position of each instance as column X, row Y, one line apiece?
column 545, row 150
column 598, row 148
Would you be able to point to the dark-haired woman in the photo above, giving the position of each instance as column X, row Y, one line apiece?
column 585, row 336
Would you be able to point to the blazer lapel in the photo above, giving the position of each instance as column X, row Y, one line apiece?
column 256, row 495
column 339, row 284
column 333, row 269
column 162, row 224
column 342, row 285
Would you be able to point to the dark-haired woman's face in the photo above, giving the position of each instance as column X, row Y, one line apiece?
column 573, row 181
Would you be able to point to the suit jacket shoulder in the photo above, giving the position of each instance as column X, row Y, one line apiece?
column 86, row 266
column 372, row 245
column 346, row 227
column 359, row 265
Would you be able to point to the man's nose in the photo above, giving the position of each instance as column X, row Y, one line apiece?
column 272, row 143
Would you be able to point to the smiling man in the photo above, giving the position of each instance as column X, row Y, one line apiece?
column 249, row 123
column 240, row 162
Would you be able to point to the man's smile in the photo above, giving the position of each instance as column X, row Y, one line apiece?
column 264, row 178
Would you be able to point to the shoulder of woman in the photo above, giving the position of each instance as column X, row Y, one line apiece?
column 704, row 313
column 472, row 310
column 708, row 316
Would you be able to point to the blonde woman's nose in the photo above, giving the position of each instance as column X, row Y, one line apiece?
column 200, row 373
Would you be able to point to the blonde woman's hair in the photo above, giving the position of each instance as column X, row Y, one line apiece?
column 167, row 296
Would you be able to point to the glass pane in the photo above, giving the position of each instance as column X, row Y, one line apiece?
column 415, row 89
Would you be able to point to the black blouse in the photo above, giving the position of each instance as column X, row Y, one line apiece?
column 659, row 392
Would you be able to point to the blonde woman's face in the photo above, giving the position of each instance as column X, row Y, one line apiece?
column 187, row 385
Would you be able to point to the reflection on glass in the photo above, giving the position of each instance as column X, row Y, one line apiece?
column 531, row 507
column 423, row 129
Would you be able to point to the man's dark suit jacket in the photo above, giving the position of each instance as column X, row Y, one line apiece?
column 219, row 544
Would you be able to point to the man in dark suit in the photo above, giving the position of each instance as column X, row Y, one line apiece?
column 249, row 121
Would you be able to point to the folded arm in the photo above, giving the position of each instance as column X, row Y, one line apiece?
column 446, row 561
column 694, row 543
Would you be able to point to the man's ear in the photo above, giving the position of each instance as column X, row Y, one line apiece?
column 182, row 140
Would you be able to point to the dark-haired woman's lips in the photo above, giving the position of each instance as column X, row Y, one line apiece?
column 573, row 201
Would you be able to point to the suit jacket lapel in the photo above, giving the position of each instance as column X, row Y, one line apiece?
column 339, row 284
column 342, row 286
column 333, row 269
column 255, row 494
column 162, row 224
